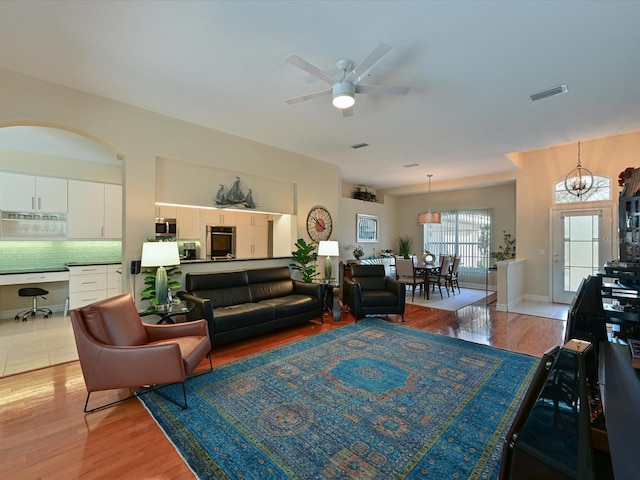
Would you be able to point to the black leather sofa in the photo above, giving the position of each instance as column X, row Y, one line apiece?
column 245, row 303
column 369, row 292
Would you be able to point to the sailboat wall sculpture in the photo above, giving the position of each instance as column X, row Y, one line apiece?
column 234, row 197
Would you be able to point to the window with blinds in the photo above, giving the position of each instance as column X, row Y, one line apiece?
column 464, row 233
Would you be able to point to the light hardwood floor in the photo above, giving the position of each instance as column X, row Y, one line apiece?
column 44, row 433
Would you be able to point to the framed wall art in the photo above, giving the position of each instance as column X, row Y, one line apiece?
column 366, row 228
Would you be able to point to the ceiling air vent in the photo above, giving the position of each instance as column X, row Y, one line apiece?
column 410, row 165
column 548, row 93
column 359, row 145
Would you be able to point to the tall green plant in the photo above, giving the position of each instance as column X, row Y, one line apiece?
column 305, row 259
column 404, row 246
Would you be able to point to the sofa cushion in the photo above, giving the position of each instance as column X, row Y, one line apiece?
column 115, row 321
column 225, row 297
column 242, row 315
column 213, row 281
column 291, row 305
column 378, row 298
column 275, row 289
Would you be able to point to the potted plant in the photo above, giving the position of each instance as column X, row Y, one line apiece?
column 358, row 252
column 305, row 259
column 363, row 193
column 404, row 246
column 507, row 251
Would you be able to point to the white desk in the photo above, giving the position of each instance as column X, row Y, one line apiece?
column 34, row 277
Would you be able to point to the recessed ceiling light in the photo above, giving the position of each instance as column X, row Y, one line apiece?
column 552, row 92
column 359, row 145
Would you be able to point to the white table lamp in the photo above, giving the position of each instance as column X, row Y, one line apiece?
column 330, row 249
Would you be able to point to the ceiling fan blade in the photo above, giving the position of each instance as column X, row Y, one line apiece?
column 347, row 112
column 309, row 68
column 382, row 89
column 361, row 71
column 311, row 96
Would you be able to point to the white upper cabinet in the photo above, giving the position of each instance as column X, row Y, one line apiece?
column 29, row 193
column 95, row 210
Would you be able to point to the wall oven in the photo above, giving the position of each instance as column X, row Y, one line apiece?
column 221, row 242
column 166, row 228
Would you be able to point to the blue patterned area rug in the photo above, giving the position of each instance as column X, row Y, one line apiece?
column 371, row 400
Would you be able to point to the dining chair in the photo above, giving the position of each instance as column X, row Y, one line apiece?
column 452, row 276
column 408, row 274
column 440, row 277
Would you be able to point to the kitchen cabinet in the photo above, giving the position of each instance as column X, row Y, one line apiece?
column 217, row 217
column 187, row 220
column 114, row 280
column 29, row 193
column 92, row 283
column 251, row 219
column 87, row 284
column 95, row 210
column 188, row 223
column 251, row 241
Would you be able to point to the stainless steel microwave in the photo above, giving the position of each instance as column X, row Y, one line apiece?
column 166, row 228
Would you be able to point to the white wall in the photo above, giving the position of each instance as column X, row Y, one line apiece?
column 141, row 136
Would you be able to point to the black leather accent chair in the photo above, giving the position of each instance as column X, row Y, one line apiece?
column 369, row 292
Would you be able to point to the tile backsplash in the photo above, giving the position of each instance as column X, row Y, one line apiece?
column 54, row 254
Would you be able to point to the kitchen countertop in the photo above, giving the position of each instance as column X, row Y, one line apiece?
column 220, row 260
column 14, row 271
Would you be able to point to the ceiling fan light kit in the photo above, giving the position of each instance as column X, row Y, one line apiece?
column 344, row 88
column 343, row 95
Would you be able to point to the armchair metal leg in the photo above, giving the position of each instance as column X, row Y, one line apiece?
column 154, row 388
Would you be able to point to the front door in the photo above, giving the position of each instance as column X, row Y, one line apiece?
column 582, row 241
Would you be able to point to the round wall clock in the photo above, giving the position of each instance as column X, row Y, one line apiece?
column 319, row 224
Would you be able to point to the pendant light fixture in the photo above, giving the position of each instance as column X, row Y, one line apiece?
column 579, row 180
column 427, row 218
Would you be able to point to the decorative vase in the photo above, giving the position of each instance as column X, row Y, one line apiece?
column 162, row 286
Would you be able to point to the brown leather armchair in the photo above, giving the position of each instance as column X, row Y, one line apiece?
column 117, row 350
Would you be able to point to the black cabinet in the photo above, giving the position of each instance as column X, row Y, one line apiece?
column 629, row 228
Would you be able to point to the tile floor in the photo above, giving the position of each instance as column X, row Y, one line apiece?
column 36, row 343
column 539, row 309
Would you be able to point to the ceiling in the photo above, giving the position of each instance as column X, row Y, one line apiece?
column 471, row 67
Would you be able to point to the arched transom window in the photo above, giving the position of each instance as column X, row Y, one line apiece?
column 601, row 190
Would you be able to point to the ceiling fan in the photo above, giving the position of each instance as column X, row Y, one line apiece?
column 344, row 88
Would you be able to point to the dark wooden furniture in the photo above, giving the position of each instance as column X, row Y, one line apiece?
column 551, row 435
column 629, row 228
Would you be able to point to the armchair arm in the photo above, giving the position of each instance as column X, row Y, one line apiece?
column 398, row 288
column 202, row 309
column 312, row 289
column 352, row 296
column 197, row 328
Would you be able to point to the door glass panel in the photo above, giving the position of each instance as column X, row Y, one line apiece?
column 581, row 249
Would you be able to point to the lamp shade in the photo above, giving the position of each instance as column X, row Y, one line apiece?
column 328, row 248
column 429, row 217
column 160, row 254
